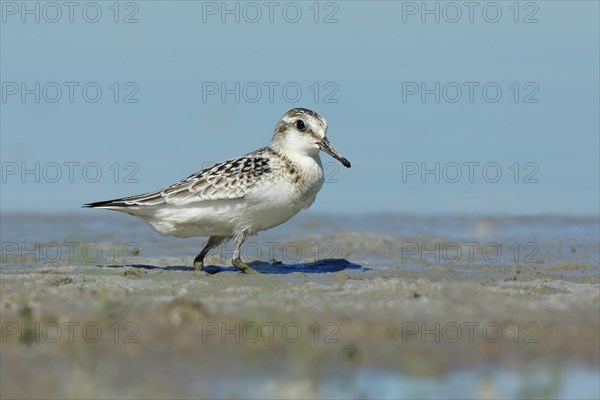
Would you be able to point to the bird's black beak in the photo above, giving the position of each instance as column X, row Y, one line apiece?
column 333, row 152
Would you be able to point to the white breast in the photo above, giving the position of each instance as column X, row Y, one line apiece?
column 287, row 194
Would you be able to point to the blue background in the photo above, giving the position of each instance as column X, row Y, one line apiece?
column 172, row 131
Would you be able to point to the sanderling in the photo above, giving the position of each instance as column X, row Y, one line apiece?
column 239, row 197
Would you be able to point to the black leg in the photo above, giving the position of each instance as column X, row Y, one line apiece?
column 213, row 241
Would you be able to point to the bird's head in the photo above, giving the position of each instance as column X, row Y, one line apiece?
column 304, row 131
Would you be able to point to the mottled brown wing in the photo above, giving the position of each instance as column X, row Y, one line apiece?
column 229, row 179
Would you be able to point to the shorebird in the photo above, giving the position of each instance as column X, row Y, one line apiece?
column 241, row 196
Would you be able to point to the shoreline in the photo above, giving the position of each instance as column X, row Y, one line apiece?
column 372, row 312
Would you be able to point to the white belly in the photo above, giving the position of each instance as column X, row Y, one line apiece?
column 261, row 209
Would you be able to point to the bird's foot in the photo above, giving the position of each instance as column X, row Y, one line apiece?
column 239, row 264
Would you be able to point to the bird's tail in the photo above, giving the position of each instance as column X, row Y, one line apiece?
column 109, row 204
column 131, row 202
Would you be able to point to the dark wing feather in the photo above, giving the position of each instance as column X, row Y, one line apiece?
column 226, row 180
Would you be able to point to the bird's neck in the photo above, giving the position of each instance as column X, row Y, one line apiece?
column 301, row 159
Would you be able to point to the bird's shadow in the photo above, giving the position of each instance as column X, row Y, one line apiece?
column 318, row 267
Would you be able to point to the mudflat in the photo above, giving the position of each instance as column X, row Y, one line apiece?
column 365, row 306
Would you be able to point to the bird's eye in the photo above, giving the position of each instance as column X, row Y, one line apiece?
column 300, row 125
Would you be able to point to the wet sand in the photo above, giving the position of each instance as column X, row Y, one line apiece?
column 361, row 307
